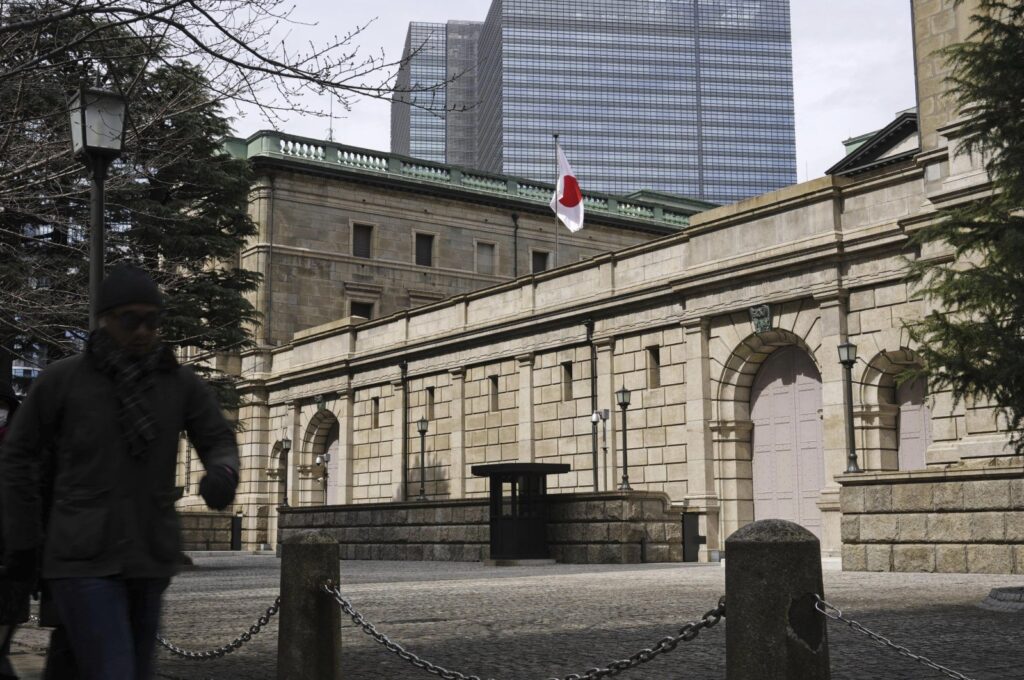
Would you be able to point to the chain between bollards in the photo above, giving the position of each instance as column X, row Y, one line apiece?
column 836, row 614
column 230, row 647
column 688, row 632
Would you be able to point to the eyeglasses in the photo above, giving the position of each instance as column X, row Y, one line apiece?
column 130, row 321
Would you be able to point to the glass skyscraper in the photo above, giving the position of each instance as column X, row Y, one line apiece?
column 433, row 116
column 690, row 97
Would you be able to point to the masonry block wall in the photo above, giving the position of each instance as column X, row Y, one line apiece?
column 955, row 520
column 376, row 421
column 588, row 528
column 312, row 274
column 205, row 530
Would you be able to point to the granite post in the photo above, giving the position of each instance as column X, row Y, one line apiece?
column 773, row 631
column 309, row 636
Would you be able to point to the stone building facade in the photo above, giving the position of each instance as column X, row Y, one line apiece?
column 725, row 332
column 345, row 231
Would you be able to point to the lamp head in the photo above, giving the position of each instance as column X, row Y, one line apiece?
column 622, row 397
column 97, row 122
column 286, row 444
column 421, row 425
column 848, row 354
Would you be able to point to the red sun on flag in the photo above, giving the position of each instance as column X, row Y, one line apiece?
column 571, row 194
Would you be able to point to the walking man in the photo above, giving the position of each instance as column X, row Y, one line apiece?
column 13, row 595
column 106, row 425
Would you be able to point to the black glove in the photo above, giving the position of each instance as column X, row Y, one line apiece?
column 217, row 487
column 22, row 566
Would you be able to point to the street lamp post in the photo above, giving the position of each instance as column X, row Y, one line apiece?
column 602, row 417
column 421, row 427
column 97, row 134
column 848, row 357
column 286, row 446
column 622, row 398
column 322, row 460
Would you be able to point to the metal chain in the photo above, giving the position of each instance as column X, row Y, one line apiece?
column 687, row 633
column 229, row 647
column 836, row 614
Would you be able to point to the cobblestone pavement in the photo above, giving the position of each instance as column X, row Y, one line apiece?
column 514, row 623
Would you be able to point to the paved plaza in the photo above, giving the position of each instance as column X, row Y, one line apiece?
column 540, row 622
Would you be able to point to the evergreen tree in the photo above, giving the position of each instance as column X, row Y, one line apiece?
column 974, row 343
column 176, row 205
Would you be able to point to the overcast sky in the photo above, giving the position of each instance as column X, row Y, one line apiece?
column 852, row 67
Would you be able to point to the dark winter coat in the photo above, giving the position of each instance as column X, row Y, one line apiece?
column 8, row 397
column 112, row 512
column 13, row 596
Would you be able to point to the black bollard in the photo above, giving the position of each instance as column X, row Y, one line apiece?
column 309, row 637
column 773, row 631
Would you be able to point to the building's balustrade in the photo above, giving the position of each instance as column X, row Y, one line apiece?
column 479, row 182
column 364, row 159
column 302, row 150
column 534, row 191
column 675, row 218
column 422, row 171
column 636, row 210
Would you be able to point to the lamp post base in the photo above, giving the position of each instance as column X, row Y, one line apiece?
column 624, row 485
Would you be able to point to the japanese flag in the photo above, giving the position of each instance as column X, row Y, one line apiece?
column 567, row 203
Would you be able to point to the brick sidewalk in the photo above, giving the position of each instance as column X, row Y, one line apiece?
column 541, row 622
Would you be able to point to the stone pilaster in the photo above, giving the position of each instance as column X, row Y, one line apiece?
column 525, row 432
column 293, row 426
column 457, row 438
column 700, row 457
column 834, row 412
column 339, row 490
column 398, row 471
column 606, row 400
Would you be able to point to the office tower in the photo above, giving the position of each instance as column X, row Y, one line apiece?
column 691, row 97
column 433, row 115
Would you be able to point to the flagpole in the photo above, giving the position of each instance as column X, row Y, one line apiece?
column 557, row 175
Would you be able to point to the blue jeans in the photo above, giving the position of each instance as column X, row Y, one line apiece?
column 112, row 624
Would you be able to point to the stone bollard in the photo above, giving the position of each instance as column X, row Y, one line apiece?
column 773, row 631
column 309, row 633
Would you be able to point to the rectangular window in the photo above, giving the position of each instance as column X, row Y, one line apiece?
column 430, row 403
column 375, row 412
column 485, row 258
column 363, row 309
column 425, row 250
column 653, row 367
column 493, row 380
column 362, row 238
column 566, row 381
column 540, row 261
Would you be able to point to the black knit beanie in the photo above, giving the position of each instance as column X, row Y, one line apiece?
column 126, row 285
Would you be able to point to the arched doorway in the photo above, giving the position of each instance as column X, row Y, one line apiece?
column 787, row 457
column 322, row 436
column 894, row 419
column 914, row 424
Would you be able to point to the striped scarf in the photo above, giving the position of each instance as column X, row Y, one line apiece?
column 133, row 378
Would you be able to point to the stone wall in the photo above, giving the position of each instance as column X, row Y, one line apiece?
column 205, row 530
column 963, row 519
column 606, row 528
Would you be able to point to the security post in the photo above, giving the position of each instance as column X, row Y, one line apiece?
column 309, row 637
column 774, row 632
